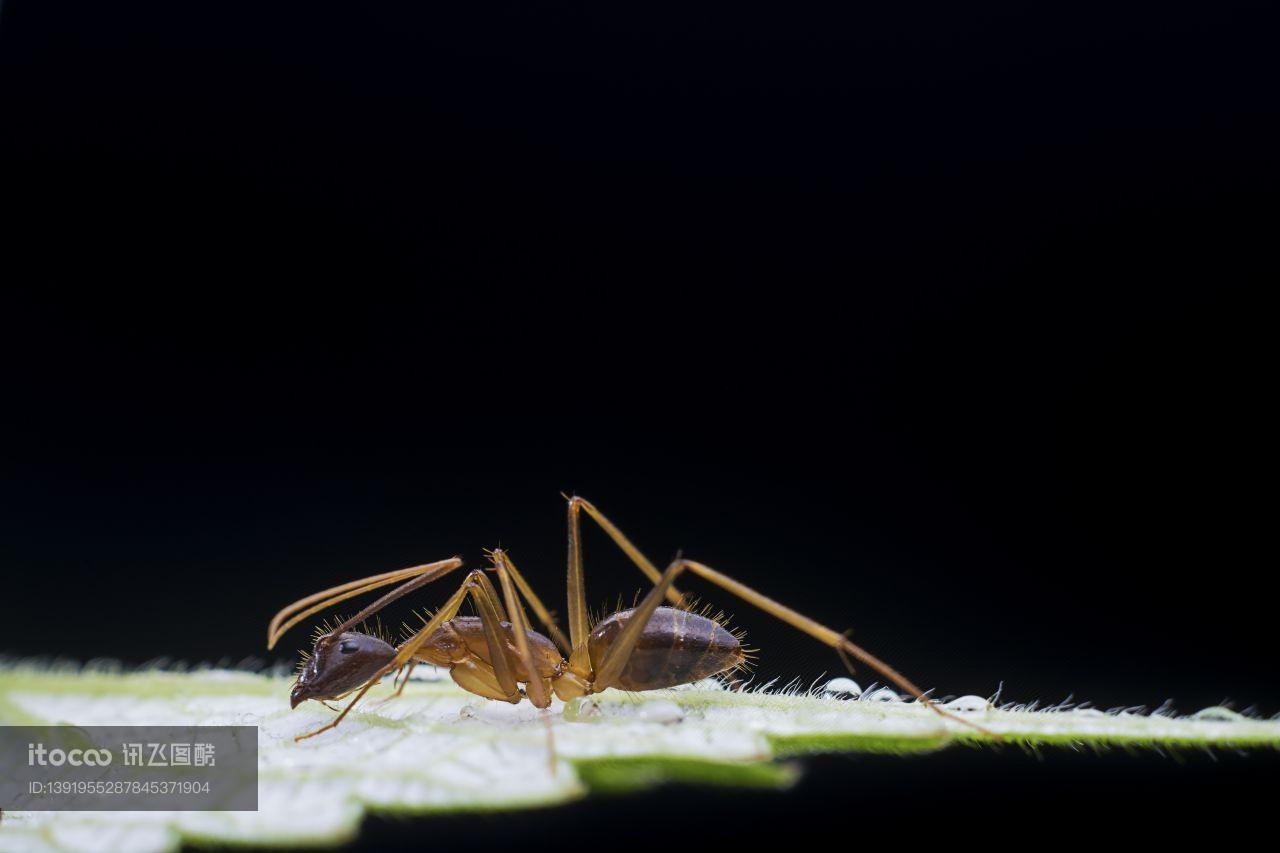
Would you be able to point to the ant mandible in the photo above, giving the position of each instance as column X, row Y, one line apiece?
column 647, row 647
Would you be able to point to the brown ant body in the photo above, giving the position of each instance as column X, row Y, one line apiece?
column 493, row 653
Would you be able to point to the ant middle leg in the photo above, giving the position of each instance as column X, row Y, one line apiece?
column 538, row 691
column 499, row 556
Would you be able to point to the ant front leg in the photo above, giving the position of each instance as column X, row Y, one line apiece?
column 405, row 652
column 491, row 614
column 403, row 679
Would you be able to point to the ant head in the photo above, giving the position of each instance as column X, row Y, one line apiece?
column 339, row 664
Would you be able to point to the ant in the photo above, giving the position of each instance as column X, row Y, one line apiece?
column 647, row 647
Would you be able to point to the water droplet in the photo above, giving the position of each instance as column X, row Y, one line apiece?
column 661, row 711
column 967, row 704
column 842, row 687
column 884, row 694
column 583, row 709
column 1217, row 713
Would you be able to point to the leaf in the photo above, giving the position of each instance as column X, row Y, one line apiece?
column 437, row 748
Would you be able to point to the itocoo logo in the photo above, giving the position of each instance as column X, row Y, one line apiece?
column 37, row 754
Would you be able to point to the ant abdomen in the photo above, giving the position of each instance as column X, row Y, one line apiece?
column 676, row 647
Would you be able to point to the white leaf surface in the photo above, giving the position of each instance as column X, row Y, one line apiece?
column 437, row 748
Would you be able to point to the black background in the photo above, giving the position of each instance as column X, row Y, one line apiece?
column 942, row 324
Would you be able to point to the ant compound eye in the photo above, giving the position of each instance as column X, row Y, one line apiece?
column 348, row 646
